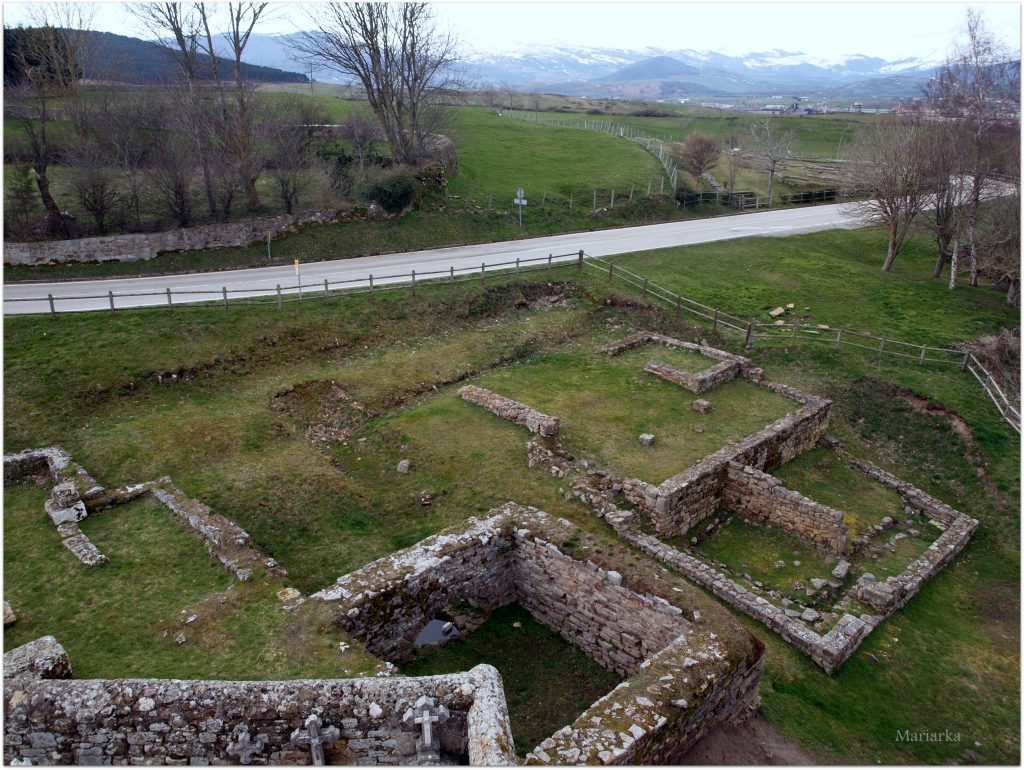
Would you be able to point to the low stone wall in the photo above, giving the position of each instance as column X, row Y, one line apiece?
column 161, row 721
column 747, row 367
column 144, row 246
column 690, row 668
column 42, row 658
column 895, row 591
column 698, row 382
column 513, row 411
column 758, row 496
column 688, row 498
column 828, row 650
column 225, row 541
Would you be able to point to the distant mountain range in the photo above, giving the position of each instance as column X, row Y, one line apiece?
column 647, row 73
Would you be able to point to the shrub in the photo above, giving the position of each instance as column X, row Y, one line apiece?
column 393, row 192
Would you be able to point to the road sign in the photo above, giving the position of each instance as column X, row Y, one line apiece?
column 520, row 201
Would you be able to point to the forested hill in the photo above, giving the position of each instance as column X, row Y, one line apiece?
column 130, row 60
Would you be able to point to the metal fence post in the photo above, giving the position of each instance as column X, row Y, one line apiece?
column 53, row 310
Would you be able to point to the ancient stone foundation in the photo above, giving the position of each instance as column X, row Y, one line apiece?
column 513, row 411
column 760, row 497
column 699, row 382
column 689, row 668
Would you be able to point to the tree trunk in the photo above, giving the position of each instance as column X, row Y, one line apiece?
column 771, row 179
column 940, row 262
column 890, row 257
column 953, row 264
column 974, row 254
column 54, row 218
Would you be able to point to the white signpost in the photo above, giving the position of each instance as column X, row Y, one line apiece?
column 520, row 201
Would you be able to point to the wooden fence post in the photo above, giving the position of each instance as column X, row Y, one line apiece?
column 451, row 272
column 224, row 293
column 279, row 296
column 920, row 361
column 714, row 328
column 371, row 285
column 170, row 306
column 110, row 294
column 750, row 334
column 326, row 291
column 794, row 328
column 839, row 338
column 483, row 268
column 579, row 265
column 610, row 268
column 414, row 283
column 963, row 366
column 881, row 346
column 53, row 310
column 517, row 267
column 645, row 286
column 613, row 199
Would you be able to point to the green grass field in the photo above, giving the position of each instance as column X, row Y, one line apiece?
column 231, row 435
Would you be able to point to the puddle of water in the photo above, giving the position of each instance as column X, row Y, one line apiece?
column 435, row 632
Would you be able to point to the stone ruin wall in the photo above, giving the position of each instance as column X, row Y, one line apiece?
column 388, row 602
column 685, row 677
column 697, row 382
column 895, row 591
column 173, row 722
column 688, row 498
column 137, row 247
column 589, row 607
column 513, row 411
column 762, row 498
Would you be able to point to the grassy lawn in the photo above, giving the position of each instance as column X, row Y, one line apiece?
column 606, row 402
column 756, row 550
column 121, row 619
column 548, row 682
column 233, row 433
column 825, row 477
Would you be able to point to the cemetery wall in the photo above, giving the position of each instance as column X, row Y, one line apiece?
column 154, row 721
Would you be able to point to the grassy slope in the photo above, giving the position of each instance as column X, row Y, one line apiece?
column 956, row 663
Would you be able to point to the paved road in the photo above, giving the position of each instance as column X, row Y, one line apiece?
column 92, row 294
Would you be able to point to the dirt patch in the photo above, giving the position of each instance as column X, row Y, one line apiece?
column 322, row 409
column 754, row 742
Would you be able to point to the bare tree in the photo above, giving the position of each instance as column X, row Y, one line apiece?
column 400, row 56
column 237, row 100
column 95, row 181
column 733, row 159
column 997, row 240
column 49, row 58
column 363, row 133
column 699, row 152
column 182, row 28
column 535, row 101
column 771, row 146
column 887, row 162
column 979, row 87
column 293, row 128
column 942, row 144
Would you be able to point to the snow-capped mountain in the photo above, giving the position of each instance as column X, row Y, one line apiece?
column 612, row 71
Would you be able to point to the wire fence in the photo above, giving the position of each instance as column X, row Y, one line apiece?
column 788, row 334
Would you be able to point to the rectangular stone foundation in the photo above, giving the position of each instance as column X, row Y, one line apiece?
column 689, row 665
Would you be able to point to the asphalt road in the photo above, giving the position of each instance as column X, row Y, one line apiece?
column 27, row 298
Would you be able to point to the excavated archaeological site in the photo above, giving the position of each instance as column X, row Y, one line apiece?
column 635, row 606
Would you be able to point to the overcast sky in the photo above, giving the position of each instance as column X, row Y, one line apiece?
column 890, row 30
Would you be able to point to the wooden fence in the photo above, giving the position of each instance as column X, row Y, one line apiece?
column 755, row 332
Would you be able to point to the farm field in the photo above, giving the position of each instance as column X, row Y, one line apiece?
column 292, row 423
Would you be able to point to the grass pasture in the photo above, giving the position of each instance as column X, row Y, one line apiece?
column 258, row 429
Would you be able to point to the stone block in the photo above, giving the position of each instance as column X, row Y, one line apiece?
column 43, row 658
column 403, row 466
column 9, row 617
column 647, row 439
column 702, row 406
column 71, row 514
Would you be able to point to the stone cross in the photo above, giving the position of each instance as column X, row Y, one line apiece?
column 243, row 746
column 425, row 713
column 315, row 738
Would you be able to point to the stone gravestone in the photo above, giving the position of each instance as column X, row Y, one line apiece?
column 314, row 737
column 425, row 713
column 243, row 746
column 64, row 504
